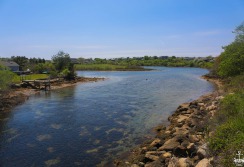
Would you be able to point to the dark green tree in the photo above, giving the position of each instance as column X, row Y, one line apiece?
column 61, row 60
column 231, row 61
column 22, row 61
column 239, row 31
column 63, row 65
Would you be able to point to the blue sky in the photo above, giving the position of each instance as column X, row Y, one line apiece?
column 117, row 28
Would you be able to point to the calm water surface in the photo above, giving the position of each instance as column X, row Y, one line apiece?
column 89, row 123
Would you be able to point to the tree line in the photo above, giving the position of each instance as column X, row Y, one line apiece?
column 206, row 62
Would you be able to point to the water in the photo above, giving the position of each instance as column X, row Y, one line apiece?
column 89, row 123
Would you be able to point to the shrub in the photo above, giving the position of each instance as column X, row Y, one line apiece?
column 6, row 79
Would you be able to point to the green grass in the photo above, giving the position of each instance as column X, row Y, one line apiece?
column 18, row 79
column 229, row 123
column 107, row 67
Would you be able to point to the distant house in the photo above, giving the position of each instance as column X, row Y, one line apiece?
column 11, row 65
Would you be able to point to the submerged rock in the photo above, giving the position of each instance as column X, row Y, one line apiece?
column 44, row 137
column 52, row 162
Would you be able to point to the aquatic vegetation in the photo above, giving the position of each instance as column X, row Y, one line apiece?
column 50, row 149
column 96, row 142
column 114, row 129
column 12, row 138
column 56, row 126
column 43, row 137
column 97, row 128
column 39, row 113
column 92, row 151
column 83, row 131
column 10, row 131
column 52, row 162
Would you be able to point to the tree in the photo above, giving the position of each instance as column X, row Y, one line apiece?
column 239, row 31
column 81, row 60
column 5, row 79
column 44, row 67
column 61, row 60
column 21, row 61
column 232, row 59
column 63, row 65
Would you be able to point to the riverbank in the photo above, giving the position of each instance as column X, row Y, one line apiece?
column 16, row 96
column 183, row 142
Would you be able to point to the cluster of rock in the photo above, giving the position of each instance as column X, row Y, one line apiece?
column 11, row 99
column 182, row 143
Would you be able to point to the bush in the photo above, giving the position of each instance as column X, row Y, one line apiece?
column 6, row 79
column 232, row 60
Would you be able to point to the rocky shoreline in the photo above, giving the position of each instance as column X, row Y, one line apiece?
column 183, row 142
column 16, row 96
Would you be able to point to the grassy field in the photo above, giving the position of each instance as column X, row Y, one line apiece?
column 18, row 79
column 107, row 67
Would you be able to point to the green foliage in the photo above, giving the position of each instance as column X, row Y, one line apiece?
column 5, row 79
column 36, row 60
column 22, row 61
column 231, row 61
column 65, row 72
column 153, row 61
column 106, row 67
column 63, row 65
column 239, row 31
column 229, row 135
column 3, row 67
column 61, row 60
column 44, row 68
